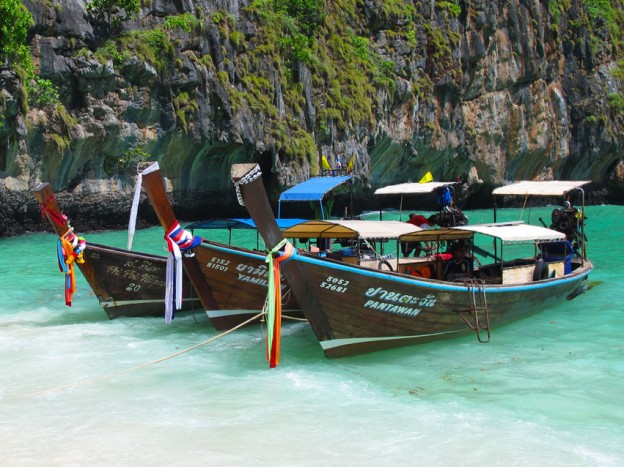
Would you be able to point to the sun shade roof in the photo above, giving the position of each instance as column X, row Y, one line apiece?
column 411, row 188
column 547, row 188
column 350, row 229
column 238, row 223
column 436, row 235
column 313, row 189
column 516, row 232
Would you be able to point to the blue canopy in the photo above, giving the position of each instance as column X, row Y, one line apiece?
column 312, row 190
column 239, row 223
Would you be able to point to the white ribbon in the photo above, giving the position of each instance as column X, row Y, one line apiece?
column 135, row 202
column 173, row 290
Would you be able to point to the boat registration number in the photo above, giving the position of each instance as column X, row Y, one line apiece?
column 336, row 284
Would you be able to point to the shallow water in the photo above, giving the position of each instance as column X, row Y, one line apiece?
column 76, row 388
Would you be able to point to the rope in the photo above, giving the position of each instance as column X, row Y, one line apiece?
column 138, row 367
column 292, row 318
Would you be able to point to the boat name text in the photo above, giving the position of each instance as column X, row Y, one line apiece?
column 396, row 302
column 397, row 297
column 142, row 265
column 260, row 271
column 254, row 274
column 138, row 278
column 392, row 308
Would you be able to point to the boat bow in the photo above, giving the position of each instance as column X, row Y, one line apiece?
column 155, row 189
column 247, row 179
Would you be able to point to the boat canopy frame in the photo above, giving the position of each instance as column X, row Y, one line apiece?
column 410, row 188
column 549, row 188
column 503, row 233
column 516, row 233
column 358, row 231
column 314, row 190
column 350, row 229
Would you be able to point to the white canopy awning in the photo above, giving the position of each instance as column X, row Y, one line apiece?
column 542, row 188
column 436, row 235
column 516, row 232
column 411, row 188
column 350, row 229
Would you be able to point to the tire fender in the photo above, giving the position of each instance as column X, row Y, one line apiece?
column 541, row 271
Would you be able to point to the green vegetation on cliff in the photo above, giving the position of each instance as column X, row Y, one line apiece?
column 15, row 20
column 110, row 15
column 441, row 81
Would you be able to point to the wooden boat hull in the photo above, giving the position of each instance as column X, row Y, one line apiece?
column 133, row 284
column 130, row 283
column 237, row 279
column 367, row 310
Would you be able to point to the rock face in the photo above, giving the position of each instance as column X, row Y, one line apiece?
column 484, row 90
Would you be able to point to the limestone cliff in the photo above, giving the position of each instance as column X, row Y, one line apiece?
column 486, row 90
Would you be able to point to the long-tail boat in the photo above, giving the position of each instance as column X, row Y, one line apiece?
column 231, row 281
column 355, row 309
column 126, row 282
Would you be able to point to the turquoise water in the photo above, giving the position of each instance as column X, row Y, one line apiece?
column 76, row 388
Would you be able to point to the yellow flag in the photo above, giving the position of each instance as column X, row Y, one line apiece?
column 427, row 178
column 326, row 165
column 351, row 163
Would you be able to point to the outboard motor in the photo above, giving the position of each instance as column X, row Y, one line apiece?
column 568, row 221
column 450, row 216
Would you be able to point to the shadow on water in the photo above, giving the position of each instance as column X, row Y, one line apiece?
column 592, row 284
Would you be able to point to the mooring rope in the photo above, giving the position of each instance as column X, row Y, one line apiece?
column 135, row 368
column 292, row 318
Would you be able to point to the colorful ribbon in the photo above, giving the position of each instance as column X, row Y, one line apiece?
column 70, row 249
column 58, row 217
column 274, row 299
column 178, row 240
